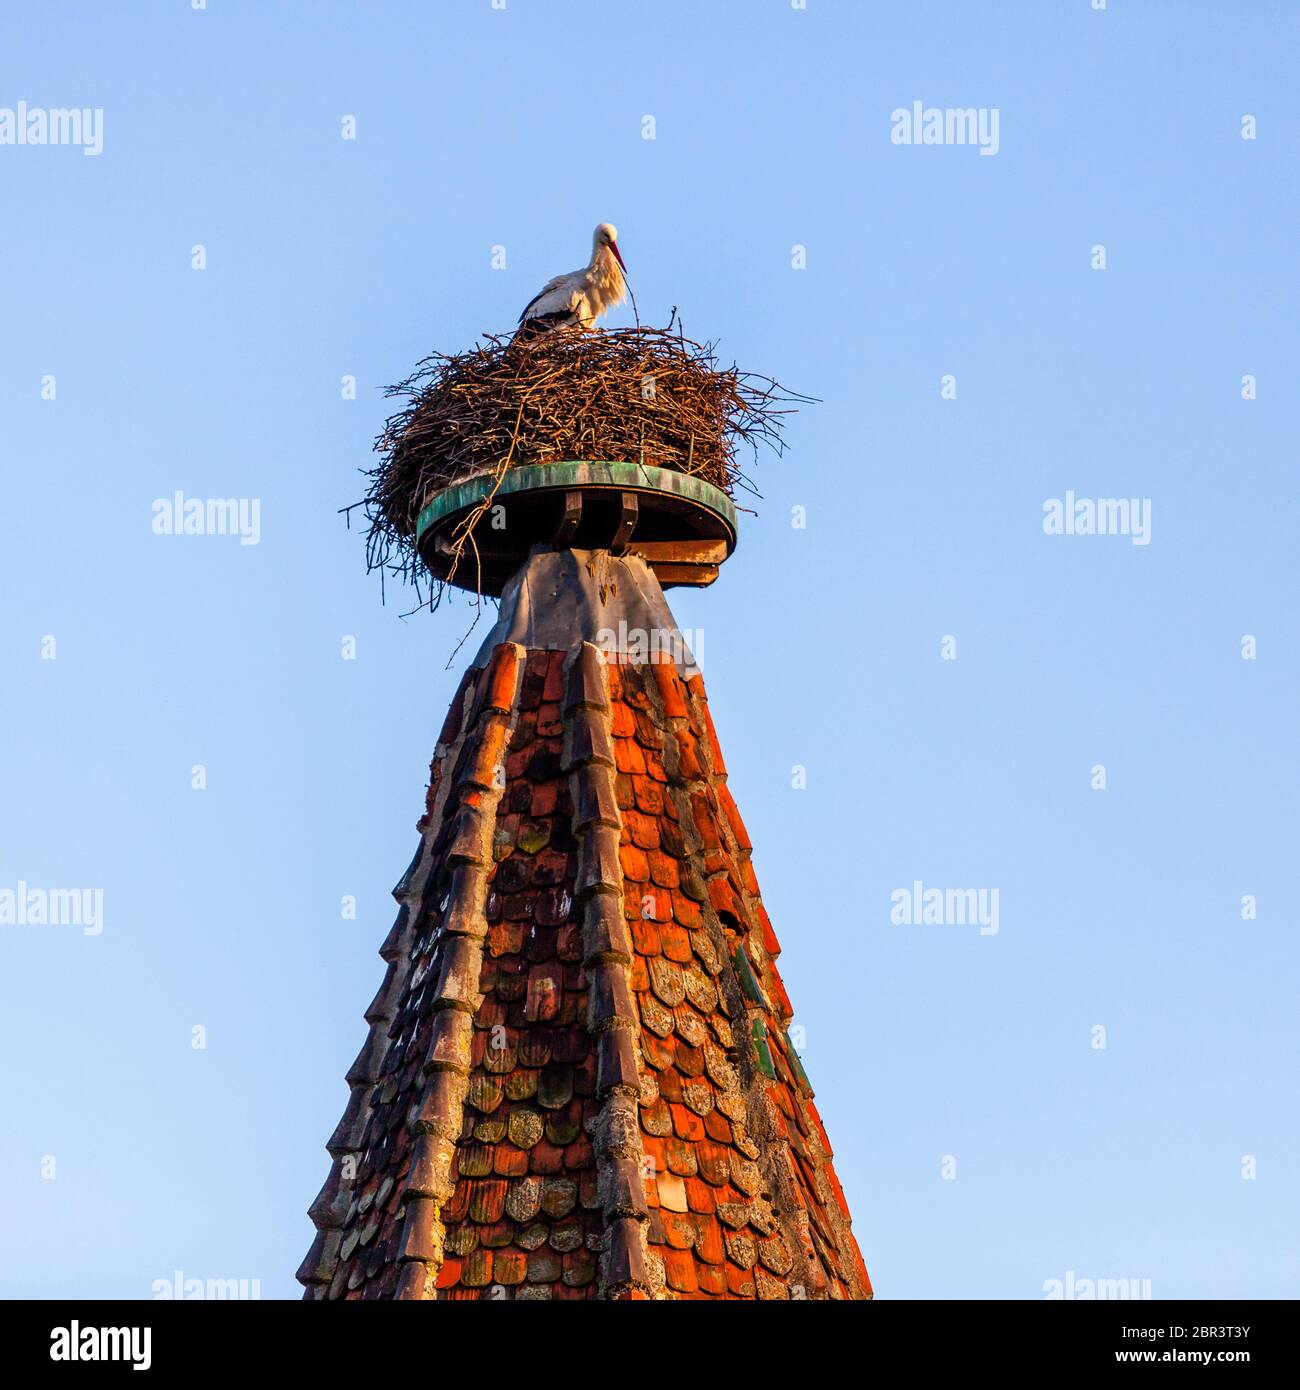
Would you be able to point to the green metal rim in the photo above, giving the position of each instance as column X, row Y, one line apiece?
column 579, row 473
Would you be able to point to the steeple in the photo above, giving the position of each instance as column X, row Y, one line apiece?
column 579, row 1080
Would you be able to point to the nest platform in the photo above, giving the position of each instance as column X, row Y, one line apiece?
column 682, row 526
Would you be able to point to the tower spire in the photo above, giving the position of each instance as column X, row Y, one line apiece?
column 579, row 1080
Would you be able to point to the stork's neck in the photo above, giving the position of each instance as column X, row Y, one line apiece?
column 606, row 276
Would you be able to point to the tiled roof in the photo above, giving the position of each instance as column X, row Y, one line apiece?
column 578, row 1081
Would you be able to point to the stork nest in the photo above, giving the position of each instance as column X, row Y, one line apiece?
column 640, row 395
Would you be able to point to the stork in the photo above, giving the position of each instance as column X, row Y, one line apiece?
column 578, row 299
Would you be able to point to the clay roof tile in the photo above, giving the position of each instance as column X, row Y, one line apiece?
column 578, row 1081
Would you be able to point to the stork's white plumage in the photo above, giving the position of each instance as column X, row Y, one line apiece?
column 578, row 299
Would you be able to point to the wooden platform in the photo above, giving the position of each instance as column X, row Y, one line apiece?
column 683, row 527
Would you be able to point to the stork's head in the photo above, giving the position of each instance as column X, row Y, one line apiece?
column 605, row 237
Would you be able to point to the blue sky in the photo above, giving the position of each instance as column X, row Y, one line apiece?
column 326, row 258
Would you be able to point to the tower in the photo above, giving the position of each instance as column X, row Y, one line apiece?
column 578, row 1080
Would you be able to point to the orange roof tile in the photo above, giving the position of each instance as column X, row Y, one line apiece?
column 577, row 1082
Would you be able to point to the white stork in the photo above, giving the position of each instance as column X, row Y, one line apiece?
column 579, row 298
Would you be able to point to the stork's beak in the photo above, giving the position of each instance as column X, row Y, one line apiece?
column 613, row 246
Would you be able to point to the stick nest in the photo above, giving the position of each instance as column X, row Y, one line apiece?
column 639, row 395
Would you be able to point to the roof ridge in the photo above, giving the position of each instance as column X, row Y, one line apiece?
column 333, row 1206
column 607, row 958
column 438, row 1118
column 330, row 1209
